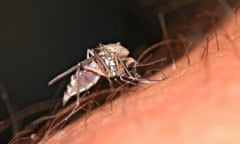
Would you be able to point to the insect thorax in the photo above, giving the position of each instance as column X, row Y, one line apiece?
column 113, row 66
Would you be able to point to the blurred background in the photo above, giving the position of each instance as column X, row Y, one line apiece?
column 40, row 39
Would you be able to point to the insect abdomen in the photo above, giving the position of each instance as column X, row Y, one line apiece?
column 81, row 81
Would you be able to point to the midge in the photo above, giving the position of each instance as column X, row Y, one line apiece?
column 110, row 61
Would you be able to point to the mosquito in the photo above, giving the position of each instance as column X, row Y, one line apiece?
column 110, row 61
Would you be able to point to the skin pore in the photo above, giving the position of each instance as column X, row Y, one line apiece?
column 196, row 104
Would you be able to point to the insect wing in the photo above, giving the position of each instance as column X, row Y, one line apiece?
column 81, row 81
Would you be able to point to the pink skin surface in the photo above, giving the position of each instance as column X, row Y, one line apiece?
column 198, row 104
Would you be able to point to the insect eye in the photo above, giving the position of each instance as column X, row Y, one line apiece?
column 130, row 62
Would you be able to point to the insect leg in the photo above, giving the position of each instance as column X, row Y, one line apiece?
column 94, row 71
column 147, row 81
column 102, row 62
column 60, row 76
column 141, row 80
column 151, row 63
column 78, row 93
column 77, row 104
column 122, row 78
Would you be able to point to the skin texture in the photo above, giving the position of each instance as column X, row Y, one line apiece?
column 197, row 104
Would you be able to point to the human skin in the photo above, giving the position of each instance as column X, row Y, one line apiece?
column 198, row 103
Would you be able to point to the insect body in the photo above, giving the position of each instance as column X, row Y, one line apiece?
column 110, row 61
